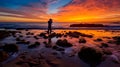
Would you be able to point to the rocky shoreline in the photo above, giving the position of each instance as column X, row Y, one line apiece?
column 60, row 49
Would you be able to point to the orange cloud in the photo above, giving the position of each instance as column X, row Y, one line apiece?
column 89, row 11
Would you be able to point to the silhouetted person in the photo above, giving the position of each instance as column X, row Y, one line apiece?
column 50, row 26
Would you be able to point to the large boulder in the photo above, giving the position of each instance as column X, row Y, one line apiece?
column 90, row 55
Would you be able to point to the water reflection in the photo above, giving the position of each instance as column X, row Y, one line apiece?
column 49, row 40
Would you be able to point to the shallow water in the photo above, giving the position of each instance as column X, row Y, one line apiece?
column 105, row 35
column 95, row 32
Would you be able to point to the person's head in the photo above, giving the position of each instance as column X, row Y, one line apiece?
column 50, row 19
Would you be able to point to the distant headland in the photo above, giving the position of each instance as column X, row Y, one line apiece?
column 87, row 25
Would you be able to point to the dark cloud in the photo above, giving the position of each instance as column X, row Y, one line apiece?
column 26, row 8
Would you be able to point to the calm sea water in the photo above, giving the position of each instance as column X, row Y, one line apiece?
column 16, row 25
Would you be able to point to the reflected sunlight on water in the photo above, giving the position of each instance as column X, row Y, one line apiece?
column 96, row 33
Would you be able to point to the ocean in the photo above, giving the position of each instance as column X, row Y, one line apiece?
column 55, row 25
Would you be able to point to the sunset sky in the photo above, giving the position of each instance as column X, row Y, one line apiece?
column 59, row 10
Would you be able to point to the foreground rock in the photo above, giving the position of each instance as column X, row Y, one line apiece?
column 3, row 56
column 91, row 56
column 10, row 48
column 4, row 34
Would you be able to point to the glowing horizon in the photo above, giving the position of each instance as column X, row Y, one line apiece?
column 60, row 10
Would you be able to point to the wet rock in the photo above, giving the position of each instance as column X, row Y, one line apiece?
column 111, row 42
column 19, row 32
column 23, row 56
column 28, row 36
column 25, row 65
column 58, row 57
column 104, row 45
column 107, row 51
column 77, row 34
column 52, row 63
column 14, row 35
column 115, row 59
column 43, row 35
column 107, row 37
column 26, row 30
column 3, row 56
column 52, row 35
column 74, row 34
column 59, row 35
column 62, row 52
column 58, row 48
column 65, row 35
column 117, row 40
column 47, row 45
column 82, row 40
column 27, row 42
column 90, row 55
column 10, row 48
column 20, row 35
column 34, row 45
column 29, row 33
column 20, row 62
column 18, row 39
column 98, row 40
column 36, row 37
column 54, row 53
column 4, row 34
column 23, row 42
column 71, row 55
column 1, row 46
column 63, row 43
column 37, row 43
column 33, row 63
